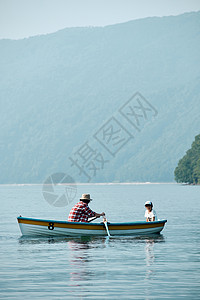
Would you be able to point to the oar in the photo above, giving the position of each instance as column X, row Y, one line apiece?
column 106, row 225
column 93, row 219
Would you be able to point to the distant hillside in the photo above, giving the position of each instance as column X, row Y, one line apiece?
column 188, row 169
column 58, row 90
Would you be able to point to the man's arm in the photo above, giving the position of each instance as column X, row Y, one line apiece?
column 99, row 215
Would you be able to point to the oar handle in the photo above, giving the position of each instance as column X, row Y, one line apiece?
column 104, row 219
column 93, row 219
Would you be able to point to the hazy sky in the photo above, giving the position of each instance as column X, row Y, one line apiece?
column 23, row 18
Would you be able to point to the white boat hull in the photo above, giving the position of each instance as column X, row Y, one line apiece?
column 37, row 227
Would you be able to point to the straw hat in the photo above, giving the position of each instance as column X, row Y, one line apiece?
column 85, row 197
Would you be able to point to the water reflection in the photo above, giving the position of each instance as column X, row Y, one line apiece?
column 94, row 241
column 149, row 252
column 150, row 260
column 79, row 259
column 53, row 240
column 83, row 257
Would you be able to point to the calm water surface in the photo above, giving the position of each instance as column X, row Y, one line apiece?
column 165, row 266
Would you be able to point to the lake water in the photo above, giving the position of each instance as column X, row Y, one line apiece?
column 166, row 266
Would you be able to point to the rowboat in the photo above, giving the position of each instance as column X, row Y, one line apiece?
column 38, row 227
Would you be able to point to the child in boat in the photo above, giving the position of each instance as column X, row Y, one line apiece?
column 150, row 213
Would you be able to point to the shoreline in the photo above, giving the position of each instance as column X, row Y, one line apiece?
column 90, row 183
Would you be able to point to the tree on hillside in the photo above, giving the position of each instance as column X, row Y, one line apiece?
column 188, row 169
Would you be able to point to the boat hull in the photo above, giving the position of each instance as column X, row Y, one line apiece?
column 38, row 227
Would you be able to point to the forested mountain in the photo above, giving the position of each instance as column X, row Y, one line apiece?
column 188, row 169
column 57, row 91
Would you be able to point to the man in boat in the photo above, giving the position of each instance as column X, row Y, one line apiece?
column 81, row 211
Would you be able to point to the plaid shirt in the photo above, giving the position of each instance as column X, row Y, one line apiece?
column 80, row 213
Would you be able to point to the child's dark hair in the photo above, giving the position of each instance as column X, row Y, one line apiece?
column 149, row 205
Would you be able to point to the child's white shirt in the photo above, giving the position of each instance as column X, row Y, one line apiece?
column 150, row 214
